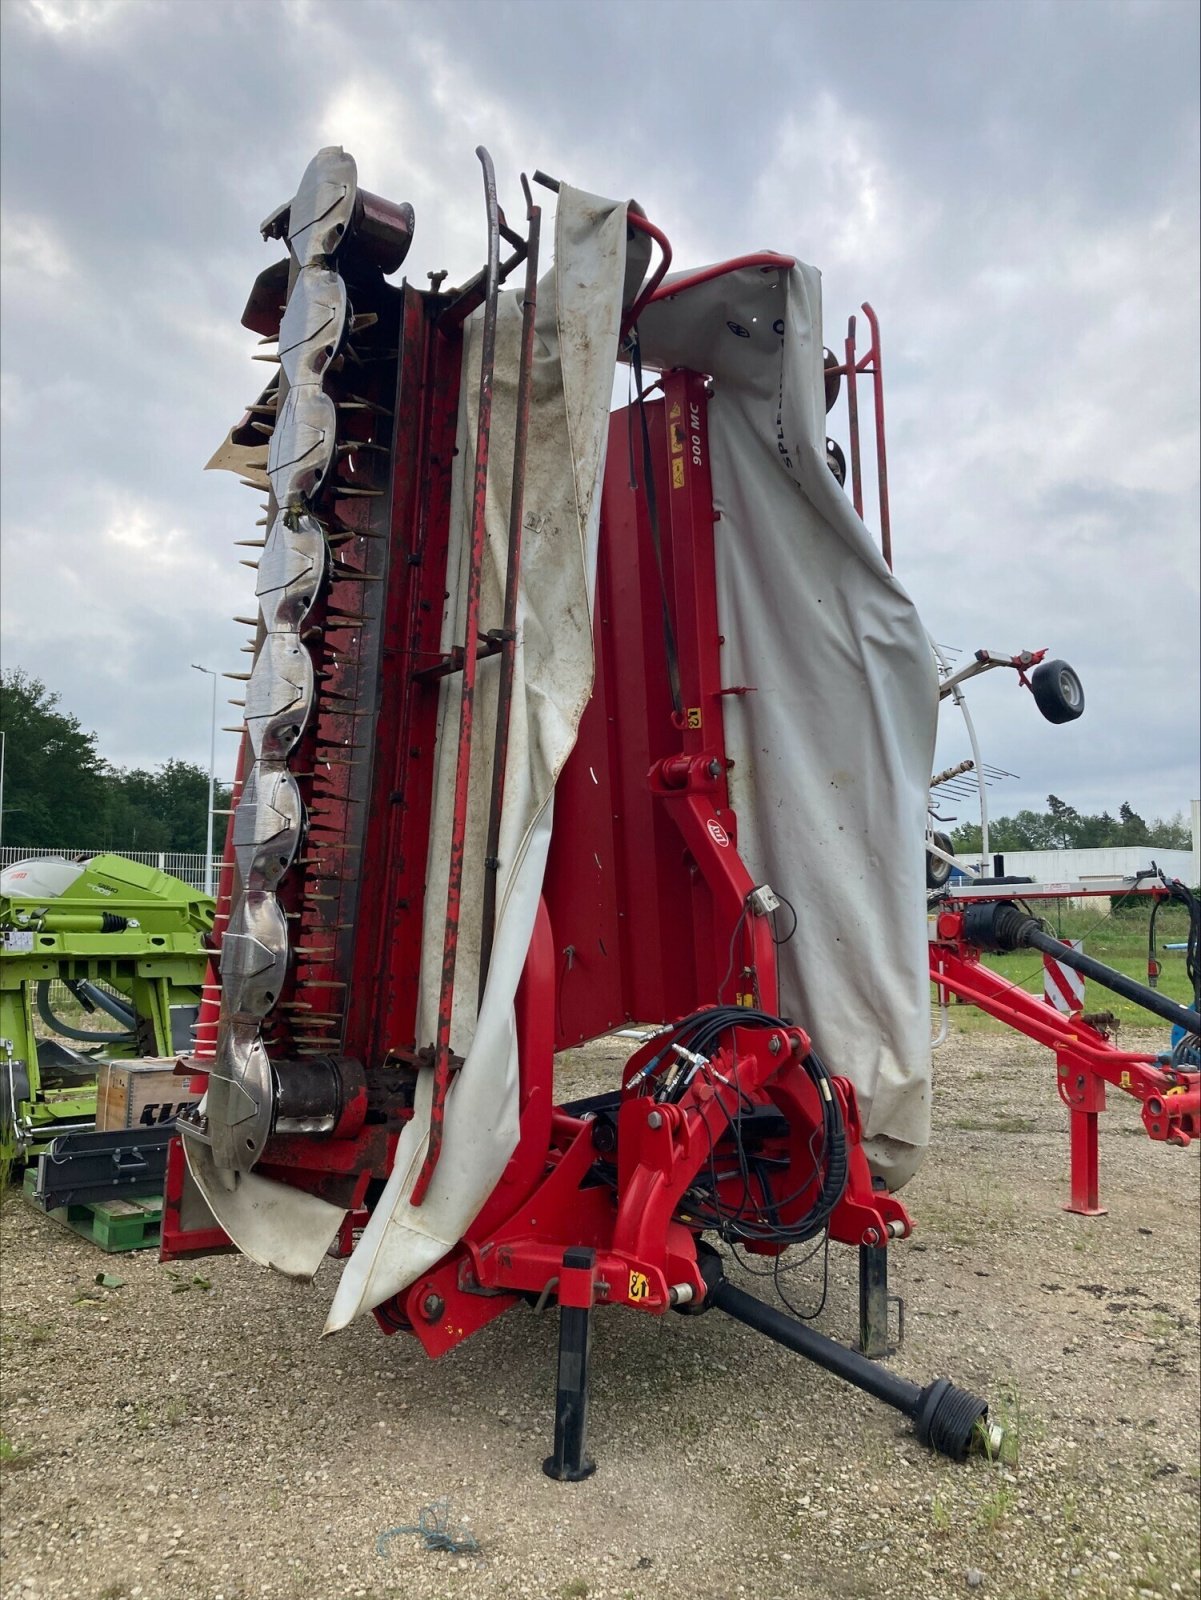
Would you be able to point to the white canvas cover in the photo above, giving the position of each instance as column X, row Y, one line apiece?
column 834, row 749
column 579, row 316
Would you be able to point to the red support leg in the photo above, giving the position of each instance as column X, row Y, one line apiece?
column 1085, row 1166
column 1084, row 1095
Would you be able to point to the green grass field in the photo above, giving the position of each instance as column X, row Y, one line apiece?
column 1118, row 940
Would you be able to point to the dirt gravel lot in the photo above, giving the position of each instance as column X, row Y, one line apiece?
column 166, row 1441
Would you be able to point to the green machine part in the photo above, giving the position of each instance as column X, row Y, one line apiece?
column 129, row 944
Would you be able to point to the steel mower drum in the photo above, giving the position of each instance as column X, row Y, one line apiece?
column 560, row 720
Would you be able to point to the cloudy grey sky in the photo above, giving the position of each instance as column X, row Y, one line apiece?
column 1013, row 185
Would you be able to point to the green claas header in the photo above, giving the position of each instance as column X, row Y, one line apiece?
column 103, row 959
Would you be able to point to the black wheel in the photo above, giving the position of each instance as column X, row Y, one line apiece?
column 938, row 872
column 833, row 378
column 836, row 462
column 1058, row 692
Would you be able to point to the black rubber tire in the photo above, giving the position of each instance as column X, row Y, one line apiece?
column 1058, row 692
column 938, row 872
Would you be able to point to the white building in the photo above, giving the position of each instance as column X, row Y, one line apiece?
column 1078, row 866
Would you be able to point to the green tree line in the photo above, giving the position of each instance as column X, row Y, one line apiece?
column 1062, row 827
column 59, row 790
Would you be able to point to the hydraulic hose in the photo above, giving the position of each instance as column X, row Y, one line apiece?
column 87, row 993
column 80, row 1035
column 1000, row 926
column 947, row 1419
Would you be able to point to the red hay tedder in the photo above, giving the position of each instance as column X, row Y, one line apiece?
column 561, row 719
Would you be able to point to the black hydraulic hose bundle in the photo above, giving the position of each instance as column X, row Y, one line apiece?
column 90, row 997
column 1183, row 895
column 699, row 1034
column 947, row 1419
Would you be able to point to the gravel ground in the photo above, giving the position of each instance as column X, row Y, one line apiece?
column 170, row 1441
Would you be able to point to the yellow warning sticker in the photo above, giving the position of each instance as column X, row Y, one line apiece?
column 675, row 411
column 694, row 716
column 640, row 1288
column 677, row 472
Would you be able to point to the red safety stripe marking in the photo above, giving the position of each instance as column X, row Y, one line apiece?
column 1063, row 986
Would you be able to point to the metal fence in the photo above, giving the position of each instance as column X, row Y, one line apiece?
column 185, row 864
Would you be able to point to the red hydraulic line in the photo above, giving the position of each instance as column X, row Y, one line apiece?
column 853, row 421
column 454, row 885
column 881, row 459
column 636, row 220
column 639, row 222
column 765, row 260
column 508, row 659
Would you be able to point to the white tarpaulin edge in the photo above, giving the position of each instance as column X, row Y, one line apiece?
column 833, row 751
column 578, row 322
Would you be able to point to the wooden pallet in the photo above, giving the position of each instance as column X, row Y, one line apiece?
column 113, row 1225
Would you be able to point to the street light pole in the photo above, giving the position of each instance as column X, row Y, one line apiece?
column 208, row 838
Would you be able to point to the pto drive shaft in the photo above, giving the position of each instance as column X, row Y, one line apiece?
column 947, row 1419
column 1001, row 926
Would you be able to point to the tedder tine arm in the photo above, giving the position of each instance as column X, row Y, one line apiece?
column 475, row 561
column 508, row 657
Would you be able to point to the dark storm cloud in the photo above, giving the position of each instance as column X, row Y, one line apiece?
column 1013, row 185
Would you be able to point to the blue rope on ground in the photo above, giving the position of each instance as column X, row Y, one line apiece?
column 432, row 1526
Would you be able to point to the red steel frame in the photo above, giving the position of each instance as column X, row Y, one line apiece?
column 853, row 365
column 1086, row 1061
column 468, row 661
column 549, row 1200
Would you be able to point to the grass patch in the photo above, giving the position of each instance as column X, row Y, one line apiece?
column 22, row 1337
column 1019, row 1425
column 996, row 1507
column 940, row 1518
column 997, row 1124
column 12, row 1456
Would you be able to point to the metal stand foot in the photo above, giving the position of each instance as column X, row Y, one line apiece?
column 570, row 1461
column 873, row 1300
